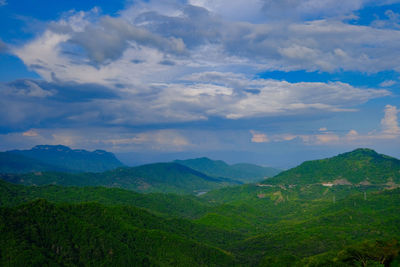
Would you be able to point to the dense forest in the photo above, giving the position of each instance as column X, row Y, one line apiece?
column 341, row 211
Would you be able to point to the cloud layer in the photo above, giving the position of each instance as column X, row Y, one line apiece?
column 166, row 64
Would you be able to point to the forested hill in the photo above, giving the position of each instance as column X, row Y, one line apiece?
column 243, row 172
column 72, row 160
column 170, row 205
column 362, row 165
column 271, row 230
column 40, row 233
column 158, row 177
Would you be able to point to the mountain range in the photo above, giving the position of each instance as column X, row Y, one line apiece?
column 157, row 177
column 43, row 165
column 339, row 211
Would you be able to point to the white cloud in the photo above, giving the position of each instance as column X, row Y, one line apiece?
column 387, row 83
column 392, row 20
column 258, row 137
column 238, row 10
column 267, row 10
column 3, row 3
column 191, row 38
column 30, row 133
column 27, row 88
column 277, row 97
column 389, row 123
column 327, row 138
column 352, row 135
column 112, row 36
column 223, row 95
column 166, row 140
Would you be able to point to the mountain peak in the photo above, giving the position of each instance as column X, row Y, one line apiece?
column 356, row 166
column 361, row 152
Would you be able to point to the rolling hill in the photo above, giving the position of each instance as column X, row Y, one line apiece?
column 244, row 172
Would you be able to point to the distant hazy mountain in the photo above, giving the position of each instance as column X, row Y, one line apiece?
column 243, row 172
column 362, row 165
column 158, row 177
column 15, row 163
column 63, row 158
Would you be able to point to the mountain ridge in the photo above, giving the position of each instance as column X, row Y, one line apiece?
column 244, row 172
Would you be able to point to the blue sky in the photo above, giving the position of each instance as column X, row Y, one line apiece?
column 274, row 82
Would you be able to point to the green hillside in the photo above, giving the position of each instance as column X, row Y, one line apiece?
column 358, row 166
column 158, row 177
column 72, row 160
column 327, row 228
column 243, row 172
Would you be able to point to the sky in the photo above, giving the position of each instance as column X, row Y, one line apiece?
column 272, row 82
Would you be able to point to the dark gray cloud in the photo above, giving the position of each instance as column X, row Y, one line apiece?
column 167, row 62
column 32, row 103
column 196, row 26
column 57, row 91
column 108, row 39
column 309, row 9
